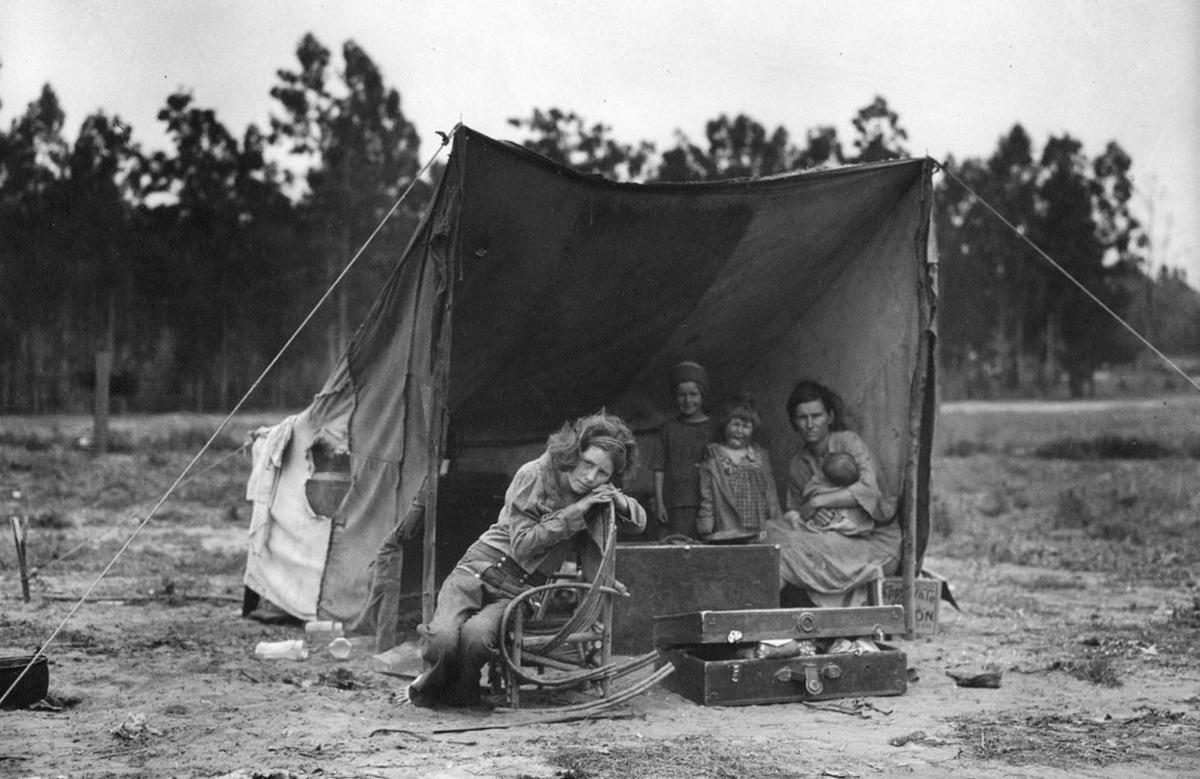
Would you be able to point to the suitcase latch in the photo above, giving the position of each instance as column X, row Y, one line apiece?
column 806, row 622
column 812, row 676
column 812, row 680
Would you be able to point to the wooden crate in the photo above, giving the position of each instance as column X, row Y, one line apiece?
column 669, row 579
column 708, row 650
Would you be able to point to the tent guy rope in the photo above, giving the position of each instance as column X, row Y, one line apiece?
column 945, row 169
column 237, row 407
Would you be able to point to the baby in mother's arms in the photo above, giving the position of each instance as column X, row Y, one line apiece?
column 839, row 470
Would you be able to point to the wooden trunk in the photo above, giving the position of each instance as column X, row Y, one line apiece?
column 712, row 652
column 669, row 579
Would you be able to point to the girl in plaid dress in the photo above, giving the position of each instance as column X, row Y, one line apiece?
column 737, row 490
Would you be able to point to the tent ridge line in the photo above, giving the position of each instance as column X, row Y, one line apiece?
column 516, row 150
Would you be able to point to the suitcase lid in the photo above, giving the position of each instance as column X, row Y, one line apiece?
column 735, row 627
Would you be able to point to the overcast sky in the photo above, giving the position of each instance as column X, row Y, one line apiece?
column 959, row 73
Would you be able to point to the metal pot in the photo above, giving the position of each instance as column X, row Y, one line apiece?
column 32, row 687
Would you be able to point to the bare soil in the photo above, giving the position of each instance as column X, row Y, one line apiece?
column 1088, row 609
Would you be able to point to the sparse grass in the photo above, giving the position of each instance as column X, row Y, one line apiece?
column 80, row 507
column 967, row 448
column 679, row 758
column 941, row 521
column 1108, row 447
column 1132, row 516
column 964, row 429
column 1187, row 615
column 1098, row 669
column 1046, row 582
column 133, row 433
column 1072, row 511
column 1102, row 447
column 1070, row 739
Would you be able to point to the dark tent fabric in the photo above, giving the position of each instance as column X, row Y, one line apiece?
column 532, row 294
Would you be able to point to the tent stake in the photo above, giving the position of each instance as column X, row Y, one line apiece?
column 19, row 538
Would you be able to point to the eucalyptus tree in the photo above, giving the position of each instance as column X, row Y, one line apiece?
column 1066, row 229
column 878, row 134
column 742, row 147
column 358, row 153
column 737, row 147
column 218, row 200
column 1126, row 245
column 568, row 139
column 822, row 148
column 1003, row 301
column 34, row 268
column 99, row 192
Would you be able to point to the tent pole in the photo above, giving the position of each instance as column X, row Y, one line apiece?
column 437, row 445
column 429, row 545
column 908, row 543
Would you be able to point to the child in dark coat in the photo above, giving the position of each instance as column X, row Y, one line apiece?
column 681, row 445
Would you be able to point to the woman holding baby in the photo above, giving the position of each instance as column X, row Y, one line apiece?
column 837, row 533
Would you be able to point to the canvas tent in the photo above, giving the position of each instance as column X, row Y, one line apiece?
column 532, row 294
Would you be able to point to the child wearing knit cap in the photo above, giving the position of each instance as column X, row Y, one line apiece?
column 681, row 445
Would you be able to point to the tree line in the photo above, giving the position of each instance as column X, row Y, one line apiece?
column 186, row 269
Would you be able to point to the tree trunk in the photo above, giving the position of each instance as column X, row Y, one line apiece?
column 1017, row 322
column 333, row 334
column 223, row 389
column 104, row 364
column 339, row 334
column 1001, row 354
column 37, row 371
column 100, row 400
column 1050, row 367
column 343, row 296
column 343, row 322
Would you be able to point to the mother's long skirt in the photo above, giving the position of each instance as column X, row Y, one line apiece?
column 827, row 562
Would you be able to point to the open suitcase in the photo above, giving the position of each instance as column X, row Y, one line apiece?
column 709, row 651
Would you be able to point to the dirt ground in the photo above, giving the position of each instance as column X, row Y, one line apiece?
column 1095, row 635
